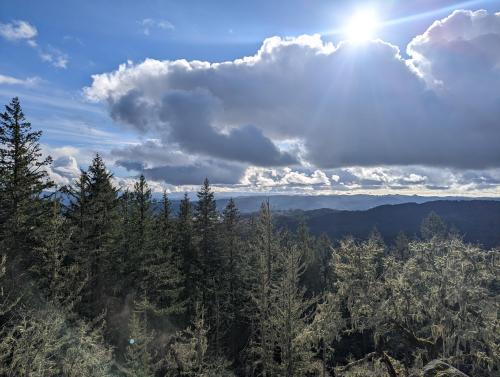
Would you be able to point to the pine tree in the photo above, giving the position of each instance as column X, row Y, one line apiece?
column 23, row 180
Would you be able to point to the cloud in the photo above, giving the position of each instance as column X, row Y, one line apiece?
column 362, row 105
column 18, row 30
column 54, row 56
column 218, row 172
column 175, row 167
column 285, row 177
column 148, row 23
column 23, row 30
column 9, row 80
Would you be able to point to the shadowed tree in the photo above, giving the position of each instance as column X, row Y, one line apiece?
column 23, row 180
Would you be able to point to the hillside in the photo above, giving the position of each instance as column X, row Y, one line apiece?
column 248, row 204
column 477, row 220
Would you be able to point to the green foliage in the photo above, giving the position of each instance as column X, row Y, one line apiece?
column 23, row 179
column 46, row 342
column 138, row 358
column 188, row 353
column 433, row 226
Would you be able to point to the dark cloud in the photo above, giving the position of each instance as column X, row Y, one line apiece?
column 218, row 173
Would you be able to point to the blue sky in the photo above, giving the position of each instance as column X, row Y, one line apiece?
column 52, row 50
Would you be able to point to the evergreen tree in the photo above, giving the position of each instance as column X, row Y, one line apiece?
column 264, row 249
column 232, row 264
column 189, row 353
column 160, row 280
column 56, row 274
column 95, row 208
column 433, row 226
column 141, row 233
column 78, row 214
column 185, row 248
column 290, row 316
column 23, row 180
column 139, row 361
column 206, row 220
column 212, row 276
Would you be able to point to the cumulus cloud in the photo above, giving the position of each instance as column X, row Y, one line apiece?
column 18, row 30
column 364, row 116
column 349, row 104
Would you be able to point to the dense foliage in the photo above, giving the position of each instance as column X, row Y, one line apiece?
column 97, row 281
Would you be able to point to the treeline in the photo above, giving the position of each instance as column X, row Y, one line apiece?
column 95, row 281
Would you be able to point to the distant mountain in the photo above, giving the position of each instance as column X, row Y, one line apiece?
column 477, row 220
column 248, row 204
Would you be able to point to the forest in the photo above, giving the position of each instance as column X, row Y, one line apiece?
column 101, row 281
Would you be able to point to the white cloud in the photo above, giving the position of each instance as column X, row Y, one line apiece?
column 23, row 30
column 148, row 24
column 18, row 30
column 9, row 80
column 54, row 56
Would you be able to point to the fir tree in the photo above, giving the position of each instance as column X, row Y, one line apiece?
column 139, row 361
column 433, row 226
column 290, row 316
column 160, row 279
column 100, row 246
column 57, row 275
column 265, row 250
column 23, row 180
column 185, row 248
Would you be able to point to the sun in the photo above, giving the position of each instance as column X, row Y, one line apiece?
column 362, row 26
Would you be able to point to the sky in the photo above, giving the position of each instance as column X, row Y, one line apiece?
column 297, row 96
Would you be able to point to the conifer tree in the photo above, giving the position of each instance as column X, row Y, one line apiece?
column 185, row 248
column 290, row 316
column 96, row 209
column 23, row 180
column 139, row 361
column 57, row 275
column 234, row 279
column 212, row 276
column 433, row 226
column 264, row 249
column 160, row 280
column 141, row 224
column 78, row 214
column 206, row 220
column 189, row 353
